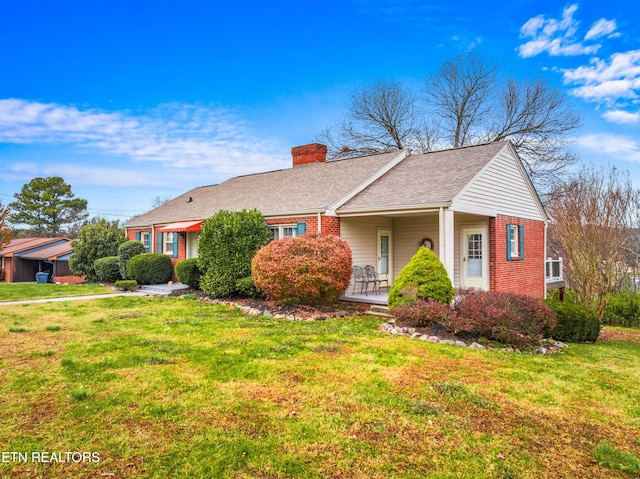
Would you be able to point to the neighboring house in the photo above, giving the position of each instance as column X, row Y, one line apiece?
column 22, row 258
column 475, row 207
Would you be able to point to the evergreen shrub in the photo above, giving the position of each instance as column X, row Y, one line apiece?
column 423, row 277
column 188, row 272
column 150, row 268
column 128, row 250
column 228, row 242
column 107, row 269
column 576, row 323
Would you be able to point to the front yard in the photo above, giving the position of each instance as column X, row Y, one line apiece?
column 175, row 387
column 26, row 291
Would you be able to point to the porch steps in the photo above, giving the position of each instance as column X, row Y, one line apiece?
column 378, row 310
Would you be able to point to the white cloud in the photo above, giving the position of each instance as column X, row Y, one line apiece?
column 558, row 37
column 601, row 28
column 190, row 140
column 612, row 147
column 621, row 117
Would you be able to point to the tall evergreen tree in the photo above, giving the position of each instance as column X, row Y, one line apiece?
column 47, row 205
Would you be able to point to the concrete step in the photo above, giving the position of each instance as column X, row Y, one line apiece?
column 163, row 289
column 378, row 310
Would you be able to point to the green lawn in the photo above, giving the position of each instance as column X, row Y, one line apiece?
column 179, row 388
column 25, row 291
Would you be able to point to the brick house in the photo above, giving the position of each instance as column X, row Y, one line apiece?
column 475, row 207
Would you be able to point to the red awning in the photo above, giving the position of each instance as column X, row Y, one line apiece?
column 183, row 226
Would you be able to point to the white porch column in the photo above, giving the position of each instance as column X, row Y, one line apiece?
column 446, row 241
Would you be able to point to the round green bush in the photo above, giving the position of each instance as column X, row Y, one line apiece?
column 188, row 272
column 150, row 268
column 126, row 284
column 128, row 250
column 107, row 269
column 576, row 323
column 423, row 277
column 246, row 287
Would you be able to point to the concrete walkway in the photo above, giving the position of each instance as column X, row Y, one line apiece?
column 70, row 298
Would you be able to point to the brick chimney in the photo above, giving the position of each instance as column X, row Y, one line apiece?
column 313, row 153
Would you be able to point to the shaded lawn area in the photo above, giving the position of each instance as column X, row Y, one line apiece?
column 26, row 291
column 175, row 387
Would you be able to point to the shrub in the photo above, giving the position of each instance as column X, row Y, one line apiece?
column 127, row 284
column 509, row 318
column 422, row 314
column 426, row 273
column 228, row 243
column 311, row 269
column 150, row 268
column 107, row 269
column 97, row 239
column 246, row 287
column 576, row 323
column 622, row 309
column 128, row 250
column 188, row 272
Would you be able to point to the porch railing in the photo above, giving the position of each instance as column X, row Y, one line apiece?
column 553, row 270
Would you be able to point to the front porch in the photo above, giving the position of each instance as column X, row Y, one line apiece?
column 370, row 298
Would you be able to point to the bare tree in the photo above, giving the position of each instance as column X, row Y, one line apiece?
column 537, row 119
column 459, row 94
column 380, row 118
column 593, row 220
column 466, row 102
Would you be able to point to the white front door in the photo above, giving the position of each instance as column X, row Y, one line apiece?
column 385, row 260
column 475, row 258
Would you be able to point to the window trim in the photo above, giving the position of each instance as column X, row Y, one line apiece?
column 298, row 229
column 146, row 235
column 515, row 242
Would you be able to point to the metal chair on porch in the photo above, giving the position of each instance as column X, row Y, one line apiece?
column 372, row 277
column 359, row 277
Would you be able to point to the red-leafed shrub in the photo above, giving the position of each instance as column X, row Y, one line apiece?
column 309, row 269
column 422, row 314
column 513, row 319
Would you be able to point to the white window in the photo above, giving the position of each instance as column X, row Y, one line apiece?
column 145, row 237
column 515, row 242
column 283, row 231
column 168, row 243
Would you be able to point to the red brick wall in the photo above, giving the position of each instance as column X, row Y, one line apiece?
column 313, row 153
column 330, row 224
column 524, row 276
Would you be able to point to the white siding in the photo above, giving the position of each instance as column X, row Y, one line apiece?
column 502, row 187
column 362, row 235
column 407, row 233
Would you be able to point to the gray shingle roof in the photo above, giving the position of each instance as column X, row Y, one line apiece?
column 425, row 180
column 303, row 189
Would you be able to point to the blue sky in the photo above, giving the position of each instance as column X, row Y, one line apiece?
column 131, row 100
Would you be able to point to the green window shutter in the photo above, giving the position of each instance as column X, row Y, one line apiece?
column 301, row 229
column 159, row 243
column 508, row 242
column 175, row 245
column 137, row 235
column 521, row 238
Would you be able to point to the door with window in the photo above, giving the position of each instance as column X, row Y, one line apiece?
column 384, row 266
column 475, row 258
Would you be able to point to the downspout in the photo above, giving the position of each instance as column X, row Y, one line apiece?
column 544, row 269
column 319, row 223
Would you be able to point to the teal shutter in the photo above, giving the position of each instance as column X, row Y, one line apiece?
column 175, row 245
column 508, row 242
column 301, row 229
column 521, row 238
column 159, row 243
column 137, row 235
